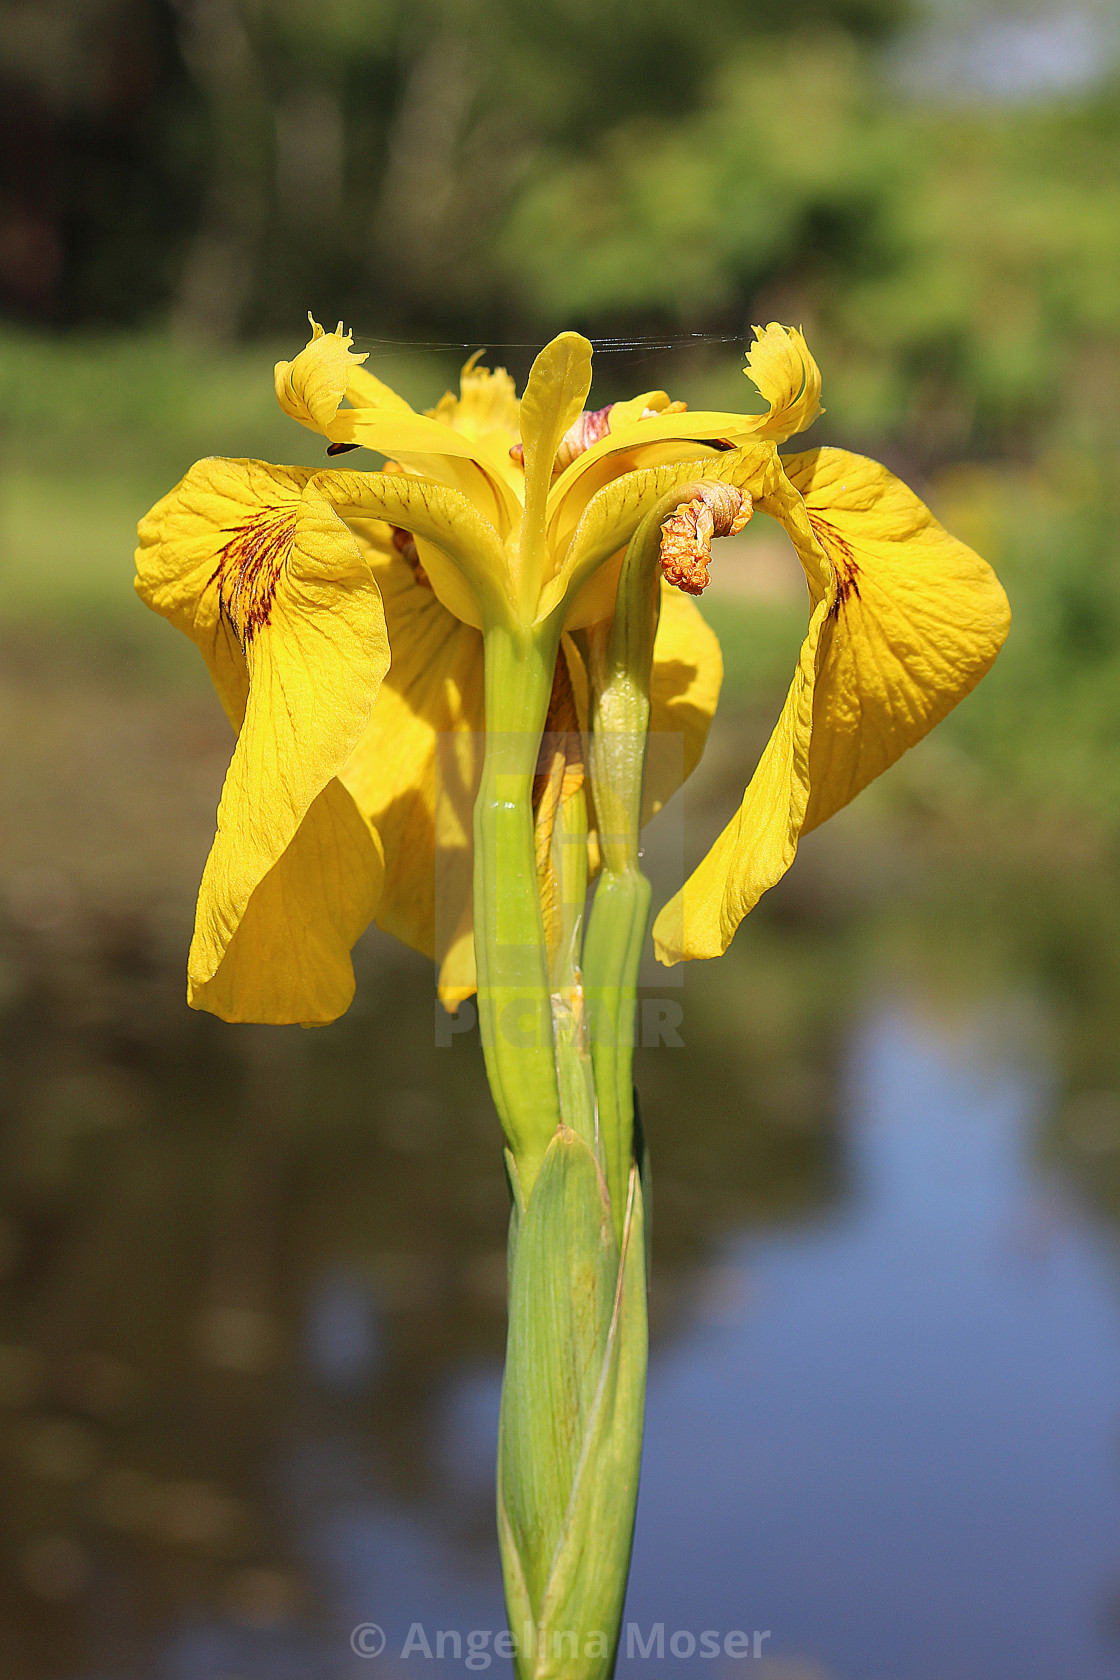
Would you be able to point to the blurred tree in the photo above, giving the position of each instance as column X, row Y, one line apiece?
column 237, row 159
column 959, row 269
column 92, row 200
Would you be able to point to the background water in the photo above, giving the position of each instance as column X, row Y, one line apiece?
column 253, row 1298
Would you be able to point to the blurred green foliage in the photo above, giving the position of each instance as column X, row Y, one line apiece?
column 192, row 172
column 235, row 160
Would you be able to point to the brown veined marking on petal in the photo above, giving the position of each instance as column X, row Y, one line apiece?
column 559, row 776
column 844, row 562
column 249, row 569
column 341, row 448
column 405, row 544
column 717, row 510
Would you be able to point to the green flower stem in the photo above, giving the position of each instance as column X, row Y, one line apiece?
column 514, row 991
column 570, row 1436
column 573, row 1393
column 620, row 671
column 578, row 1104
column 612, row 955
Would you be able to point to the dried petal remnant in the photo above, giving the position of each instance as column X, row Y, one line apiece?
column 249, row 570
column 718, row 510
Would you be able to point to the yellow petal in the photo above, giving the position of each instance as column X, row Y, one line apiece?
column 917, row 621
column 780, row 364
column 311, row 387
column 486, row 410
column 288, row 957
column 559, row 381
column 414, row 773
column 256, row 567
column 758, row 845
column 628, row 413
column 905, row 622
column 684, row 691
column 486, row 404
column 366, row 390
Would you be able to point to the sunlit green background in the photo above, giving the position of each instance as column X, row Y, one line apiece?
column 933, row 193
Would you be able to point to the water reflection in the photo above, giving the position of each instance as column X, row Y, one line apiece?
column 252, row 1303
column 899, row 1455
column 252, row 1281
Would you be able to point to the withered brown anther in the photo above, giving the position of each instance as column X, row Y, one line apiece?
column 717, row 510
column 405, row 544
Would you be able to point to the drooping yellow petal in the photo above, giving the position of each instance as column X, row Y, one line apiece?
column 288, row 956
column 255, row 566
column 780, row 364
column 414, row 773
column 758, row 845
column 905, row 621
column 559, row 381
column 684, row 691
column 917, row 620
column 311, row 387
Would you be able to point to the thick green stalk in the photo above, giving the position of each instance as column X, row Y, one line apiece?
column 514, row 991
column 570, row 1437
column 572, row 1398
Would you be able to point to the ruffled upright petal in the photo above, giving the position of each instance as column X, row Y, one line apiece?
column 486, row 405
column 780, row 364
column 311, row 387
column 255, row 566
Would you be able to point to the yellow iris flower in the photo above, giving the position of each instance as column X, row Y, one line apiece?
column 341, row 614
